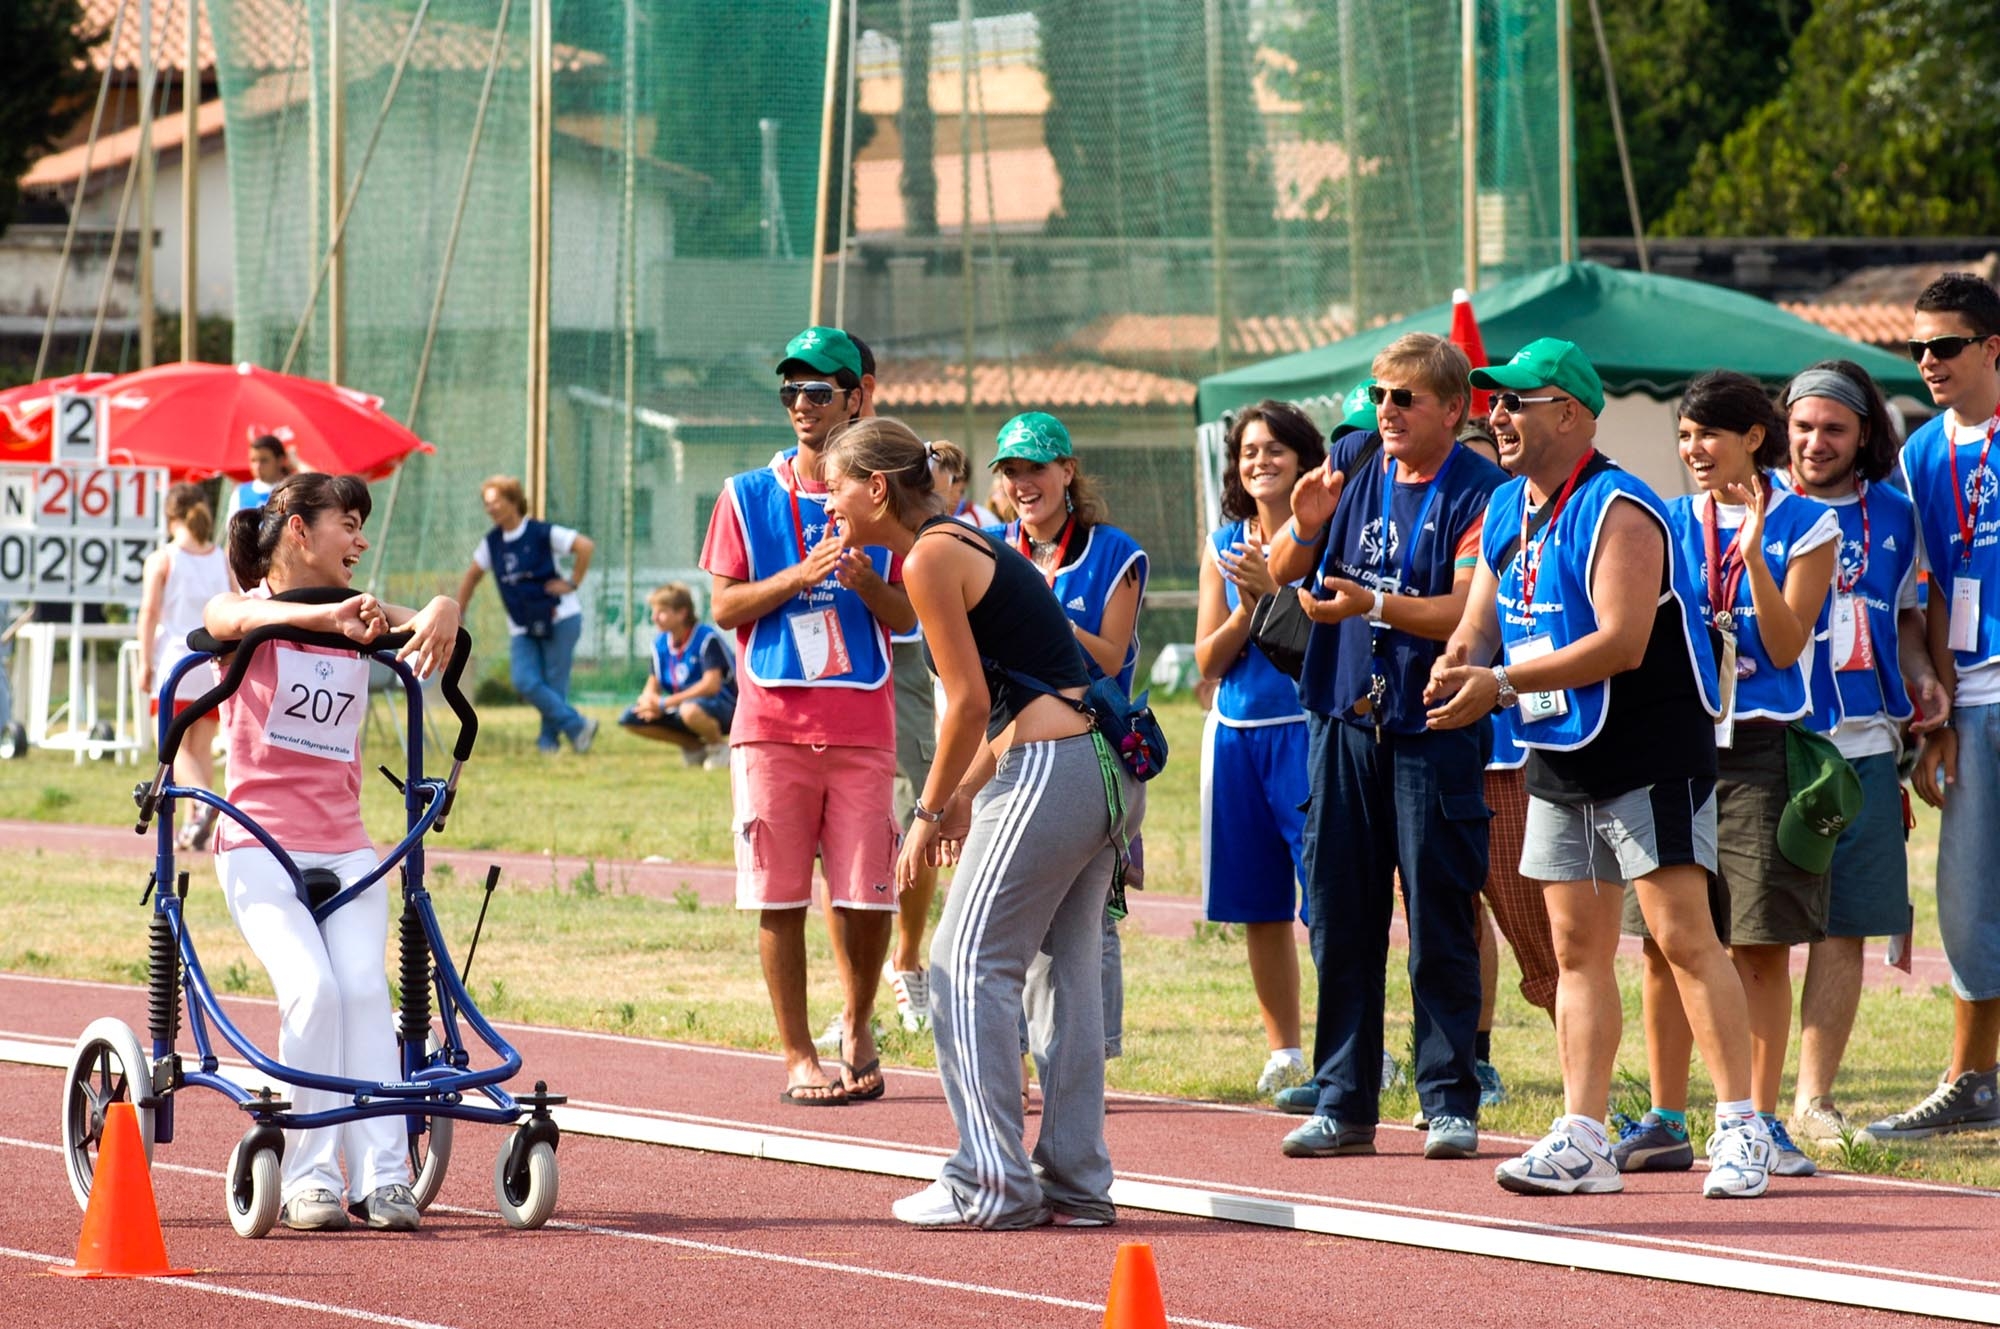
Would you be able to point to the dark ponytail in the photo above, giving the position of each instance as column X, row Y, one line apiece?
column 254, row 533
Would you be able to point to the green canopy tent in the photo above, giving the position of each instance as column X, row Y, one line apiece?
column 1647, row 335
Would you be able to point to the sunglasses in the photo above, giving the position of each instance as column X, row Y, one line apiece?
column 816, row 394
column 1403, row 397
column 1512, row 402
column 1943, row 348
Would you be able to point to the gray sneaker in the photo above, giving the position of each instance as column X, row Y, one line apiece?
column 585, row 736
column 1323, row 1137
column 1451, row 1137
column 1651, row 1145
column 388, row 1209
column 314, row 1211
column 1969, row 1103
column 1821, row 1122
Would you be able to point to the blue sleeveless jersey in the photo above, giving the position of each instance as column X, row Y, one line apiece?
column 1884, row 564
column 250, row 496
column 521, row 568
column 677, row 673
column 771, row 659
column 1509, row 754
column 1927, row 469
column 1769, row 693
column 1562, row 608
column 1085, row 584
column 1253, row 692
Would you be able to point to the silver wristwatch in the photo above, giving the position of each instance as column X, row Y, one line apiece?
column 1508, row 697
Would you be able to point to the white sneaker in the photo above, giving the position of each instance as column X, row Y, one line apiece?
column 834, row 1037
column 1281, row 1072
column 913, row 996
column 1566, row 1161
column 715, row 758
column 933, row 1206
column 1389, row 1072
column 1740, row 1158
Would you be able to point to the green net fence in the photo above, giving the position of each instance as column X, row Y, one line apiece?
column 1074, row 205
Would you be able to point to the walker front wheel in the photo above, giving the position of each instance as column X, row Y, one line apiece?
column 251, row 1189
column 107, row 1066
column 430, row 1154
column 527, row 1190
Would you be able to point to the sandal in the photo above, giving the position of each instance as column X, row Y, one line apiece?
column 849, row 1076
column 811, row 1095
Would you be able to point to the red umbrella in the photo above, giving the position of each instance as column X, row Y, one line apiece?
column 1465, row 336
column 197, row 420
column 27, row 410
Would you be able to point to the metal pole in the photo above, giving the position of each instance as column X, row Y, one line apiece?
column 538, row 259
column 336, row 192
column 76, row 204
column 1565, row 147
column 1218, row 198
column 190, row 174
column 1618, row 132
column 965, row 197
column 630, row 302
column 1349, row 110
column 1468, row 100
column 846, row 170
column 831, row 89
column 147, row 73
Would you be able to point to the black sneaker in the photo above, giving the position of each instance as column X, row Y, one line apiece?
column 1969, row 1103
column 1651, row 1145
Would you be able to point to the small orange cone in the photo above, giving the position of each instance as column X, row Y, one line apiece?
column 121, row 1228
column 1135, row 1301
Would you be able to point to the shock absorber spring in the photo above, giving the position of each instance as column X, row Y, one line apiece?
column 415, row 976
column 163, row 981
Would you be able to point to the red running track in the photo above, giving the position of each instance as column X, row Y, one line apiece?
column 651, row 1235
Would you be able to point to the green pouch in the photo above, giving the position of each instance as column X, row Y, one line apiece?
column 1111, row 768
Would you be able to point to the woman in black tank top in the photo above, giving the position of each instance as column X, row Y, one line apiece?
column 1020, row 800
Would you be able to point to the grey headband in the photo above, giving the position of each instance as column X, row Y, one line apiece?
column 1833, row 384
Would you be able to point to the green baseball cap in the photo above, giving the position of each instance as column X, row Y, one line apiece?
column 1357, row 412
column 1825, row 798
column 1034, row 436
column 1547, row 362
column 823, row 350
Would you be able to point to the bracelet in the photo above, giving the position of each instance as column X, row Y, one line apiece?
column 922, row 813
column 1375, row 613
column 1300, row 537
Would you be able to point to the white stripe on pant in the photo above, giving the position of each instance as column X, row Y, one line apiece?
column 1023, row 925
column 333, row 1010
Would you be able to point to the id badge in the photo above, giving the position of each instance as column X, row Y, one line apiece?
column 1537, row 705
column 1964, row 614
column 821, row 645
column 1853, row 643
column 317, row 707
column 1725, row 728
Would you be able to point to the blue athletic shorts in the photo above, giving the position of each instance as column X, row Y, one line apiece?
column 720, row 709
column 1253, row 782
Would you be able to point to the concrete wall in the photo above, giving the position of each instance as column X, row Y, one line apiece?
column 213, row 229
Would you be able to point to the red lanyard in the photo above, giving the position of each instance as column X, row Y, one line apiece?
column 964, row 506
column 1847, row 581
column 798, row 516
column 1531, row 556
column 1725, row 573
column 1967, row 524
column 674, row 659
column 1062, row 549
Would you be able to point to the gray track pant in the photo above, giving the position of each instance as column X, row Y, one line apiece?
column 1023, row 923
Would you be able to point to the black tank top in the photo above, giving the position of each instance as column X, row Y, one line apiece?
column 1017, row 624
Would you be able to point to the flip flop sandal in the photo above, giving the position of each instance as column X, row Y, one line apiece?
column 800, row 1095
column 848, row 1077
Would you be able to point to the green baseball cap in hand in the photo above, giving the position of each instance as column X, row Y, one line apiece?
column 1547, row 362
column 823, row 350
column 1825, row 798
column 1034, row 436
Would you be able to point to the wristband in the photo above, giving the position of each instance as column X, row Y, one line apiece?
column 1375, row 612
column 922, row 813
column 1300, row 537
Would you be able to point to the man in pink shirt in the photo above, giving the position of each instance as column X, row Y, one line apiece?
column 813, row 747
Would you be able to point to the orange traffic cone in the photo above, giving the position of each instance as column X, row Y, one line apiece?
column 121, row 1228
column 1135, row 1301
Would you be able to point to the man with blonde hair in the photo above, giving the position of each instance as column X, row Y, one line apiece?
column 1388, row 527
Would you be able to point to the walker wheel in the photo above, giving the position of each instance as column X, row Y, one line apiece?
column 430, row 1155
column 527, row 1192
column 107, row 1066
column 251, row 1188
column 13, row 742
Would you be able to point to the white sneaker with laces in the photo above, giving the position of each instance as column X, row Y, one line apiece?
column 913, row 996
column 832, row 1037
column 1566, row 1161
column 933, row 1206
column 1740, row 1159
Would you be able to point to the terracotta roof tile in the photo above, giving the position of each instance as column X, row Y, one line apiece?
column 1037, row 382
column 1176, row 338
column 114, row 151
column 1878, row 324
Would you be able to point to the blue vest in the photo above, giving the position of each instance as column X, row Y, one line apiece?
column 522, row 567
column 1769, row 693
column 1253, row 692
column 1085, row 585
column 1562, row 607
column 1884, row 564
column 1340, row 658
column 249, row 497
column 1509, row 753
column 677, row 673
column 764, row 511
column 1927, row 466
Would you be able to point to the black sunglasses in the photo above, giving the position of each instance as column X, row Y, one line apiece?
column 1944, row 348
column 1512, row 402
column 816, row 394
column 1403, row 397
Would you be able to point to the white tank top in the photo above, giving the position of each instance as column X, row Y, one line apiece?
column 192, row 581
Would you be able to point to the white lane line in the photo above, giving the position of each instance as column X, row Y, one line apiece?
column 245, row 1294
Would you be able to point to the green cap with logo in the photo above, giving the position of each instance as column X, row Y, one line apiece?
column 1357, row 412
column 823, row 350
column 1034, row 436
column 1825, row 798
column 1547, row 362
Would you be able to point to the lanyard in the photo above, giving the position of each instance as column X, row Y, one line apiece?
column 1062, row 547
column 1725, row 572
column 1967, row 523
column 1432, row 486
column 674, row 659
column 1846, row 582
column 1531, row 556
column 964, row 506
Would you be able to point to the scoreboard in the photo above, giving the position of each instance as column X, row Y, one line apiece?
column 79, row 533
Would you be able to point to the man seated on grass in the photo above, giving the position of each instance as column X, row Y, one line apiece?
column 690, row 697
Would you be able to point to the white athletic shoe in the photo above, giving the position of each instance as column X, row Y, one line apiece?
column 1740, row 1159
column 1282, row 1072
column 913, row 996
column 933, row 1206
column 1566, row 1161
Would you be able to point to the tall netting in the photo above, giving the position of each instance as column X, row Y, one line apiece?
column 1079, row 206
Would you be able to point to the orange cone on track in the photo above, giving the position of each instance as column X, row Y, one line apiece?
column 121, row 1228
column 1135, row 1301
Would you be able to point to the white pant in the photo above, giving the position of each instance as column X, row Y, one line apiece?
column 333, row 1010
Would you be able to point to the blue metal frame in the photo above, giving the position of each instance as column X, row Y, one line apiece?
column 434, row 1084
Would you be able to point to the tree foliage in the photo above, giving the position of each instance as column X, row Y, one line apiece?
column 47, row 85
column 1887, row 127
